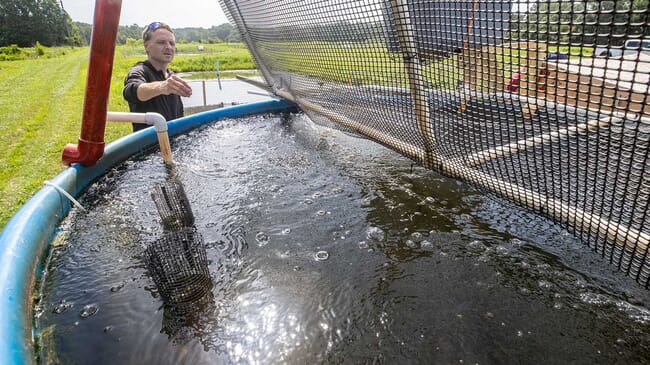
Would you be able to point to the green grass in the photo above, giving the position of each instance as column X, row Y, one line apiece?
column 41, row 110
column 42, row 98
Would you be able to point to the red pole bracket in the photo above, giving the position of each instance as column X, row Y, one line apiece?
column 90, row 147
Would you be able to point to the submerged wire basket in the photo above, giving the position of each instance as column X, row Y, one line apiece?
column 178, row 265
column 172, row 204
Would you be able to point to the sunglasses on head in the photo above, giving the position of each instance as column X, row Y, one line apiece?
column 154, row 25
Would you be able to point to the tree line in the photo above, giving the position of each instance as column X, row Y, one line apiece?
column 583, row 22
column 29, row 22
column 26, row 23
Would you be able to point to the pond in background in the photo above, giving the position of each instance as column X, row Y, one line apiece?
column 223, row 92
column 324, row 248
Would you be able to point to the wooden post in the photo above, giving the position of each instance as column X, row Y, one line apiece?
column 205, row 100
column 532, row 76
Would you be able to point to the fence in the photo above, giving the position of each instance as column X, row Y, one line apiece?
column 512, row 97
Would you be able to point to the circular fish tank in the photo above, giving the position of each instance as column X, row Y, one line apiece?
column 307, row 245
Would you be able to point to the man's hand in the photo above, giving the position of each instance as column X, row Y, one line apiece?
column 175, row 85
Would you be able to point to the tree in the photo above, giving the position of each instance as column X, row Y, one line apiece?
column 586, row 22
column 24, row 22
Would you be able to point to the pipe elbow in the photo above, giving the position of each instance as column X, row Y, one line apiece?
column 85, row 152
column 157, row 120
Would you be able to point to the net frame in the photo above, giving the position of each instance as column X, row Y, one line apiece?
column 505, row 95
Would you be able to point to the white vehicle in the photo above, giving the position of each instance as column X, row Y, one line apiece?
column 638, row 44
column 631, row 46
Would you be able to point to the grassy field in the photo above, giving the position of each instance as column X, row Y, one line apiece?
column 42, row 103
column 41, row 106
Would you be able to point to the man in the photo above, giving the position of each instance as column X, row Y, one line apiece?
column 150, row 86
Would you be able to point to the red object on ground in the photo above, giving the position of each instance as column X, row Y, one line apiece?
column 513, row 83
column 90, row 147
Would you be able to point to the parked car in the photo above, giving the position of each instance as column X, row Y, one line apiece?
column 638, row 44
column 557, row 56
column 631, row 46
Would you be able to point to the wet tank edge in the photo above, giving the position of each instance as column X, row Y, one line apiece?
column 22, row 247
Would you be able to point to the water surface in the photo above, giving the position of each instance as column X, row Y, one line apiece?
column 328, row 249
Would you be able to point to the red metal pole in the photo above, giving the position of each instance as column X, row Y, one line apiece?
column 90, row 147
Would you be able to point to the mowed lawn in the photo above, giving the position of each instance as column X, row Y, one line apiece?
column 41, row 106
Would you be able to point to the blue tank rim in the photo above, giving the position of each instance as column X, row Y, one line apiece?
column 25, row 238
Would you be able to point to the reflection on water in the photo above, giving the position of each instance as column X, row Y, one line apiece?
column 323, row 248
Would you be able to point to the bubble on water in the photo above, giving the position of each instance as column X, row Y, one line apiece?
column 375, row 233
column 321, row 256
column 426, row 245
column 321, row 213
column 501, row 250
column 464, row 219
column 89, row 310
column 337, row 190
column 308, row 201
column 108, row 328
column 62, row 307
column 516, row 242
column 520, row 333
column 430, row 199
column 476, row 246
column 286, row 231
column 363, row 245
column 316, row 195
column 411, row 244
column 262, row 239
column 544, row 284
column 484, row 258
column 417, row 236
column 117, row 287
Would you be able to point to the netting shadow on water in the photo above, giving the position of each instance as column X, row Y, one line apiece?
column 542, row 103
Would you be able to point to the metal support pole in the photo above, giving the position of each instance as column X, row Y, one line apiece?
column 408, row 45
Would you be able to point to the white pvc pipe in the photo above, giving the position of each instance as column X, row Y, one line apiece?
column 156, row 120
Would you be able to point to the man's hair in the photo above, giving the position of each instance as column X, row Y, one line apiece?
column 149, row 29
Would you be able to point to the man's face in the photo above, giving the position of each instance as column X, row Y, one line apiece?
column 161, row 47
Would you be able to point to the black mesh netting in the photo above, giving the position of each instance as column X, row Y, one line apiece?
column 172, row 204
column 543, row 103
column 178, row 266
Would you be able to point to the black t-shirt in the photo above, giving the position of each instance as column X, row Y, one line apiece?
column 169, row 106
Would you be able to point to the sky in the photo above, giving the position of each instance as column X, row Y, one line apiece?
column 176, row 13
